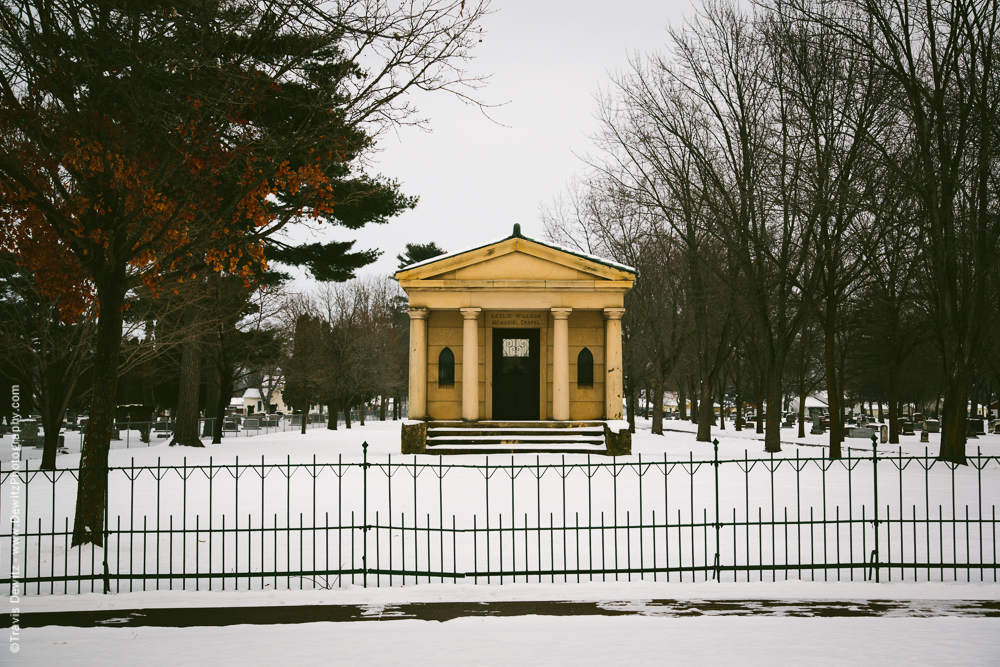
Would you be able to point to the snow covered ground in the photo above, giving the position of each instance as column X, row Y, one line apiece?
column 532, row 640
column 639, row 639
column 933, row 638
column 254, row 509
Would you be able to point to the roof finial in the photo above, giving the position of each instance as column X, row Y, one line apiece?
column 517, row 230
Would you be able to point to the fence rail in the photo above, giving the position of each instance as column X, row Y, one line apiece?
column 405, row 520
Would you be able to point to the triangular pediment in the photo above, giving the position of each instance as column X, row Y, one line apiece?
column 517, row 258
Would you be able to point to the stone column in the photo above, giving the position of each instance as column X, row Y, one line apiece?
column 470, row 364
column 418, row 363
column 613, row 363
column 560, row 364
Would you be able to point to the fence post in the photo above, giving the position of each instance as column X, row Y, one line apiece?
column 874, row 557
column 717, row 574
column 364, row 515
column 107, row 540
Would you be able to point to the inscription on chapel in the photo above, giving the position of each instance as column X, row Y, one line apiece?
column 512, row 318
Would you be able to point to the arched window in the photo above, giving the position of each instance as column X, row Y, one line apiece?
column 446, row 368
column 585, row 369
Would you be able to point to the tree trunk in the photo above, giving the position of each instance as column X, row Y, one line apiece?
column 53, row 409
column 833, row 390
column 381, row 407
column 893, row 402
column 347, row 414
column 186, row 421
column 50, row 447
column 772, row 435
column 953, row 418
column 682, row 398
column 722, row 407
column 705, row 414
column 331, row 421
column 212, row 395
column 695, row 413
column 737, row 387
column 361, row 412
column 802, row 410
column 758, row 397
column 92, row 485
column 222, row 401
column 657, row 392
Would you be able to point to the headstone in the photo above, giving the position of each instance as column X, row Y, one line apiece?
column 884, row 435
column 29, row 433
column 907, row 429
column 860, row 432
column 971, row 430
column 817, row 428
column 251, row 424
column 229, row 426
column 925, row 436
column 979, row 424
column 996, row 426
column 932, row 426
column 918, row 417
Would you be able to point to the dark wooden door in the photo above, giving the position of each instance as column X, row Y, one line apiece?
column 515, row 374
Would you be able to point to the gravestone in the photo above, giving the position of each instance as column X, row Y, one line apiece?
column 817, row 428
column 884, row 435
column 228, row 426
column 860, row 432
column 932, row 426
column 29, row 433
column 907, row 428
column 925, row 436
column 251, row 424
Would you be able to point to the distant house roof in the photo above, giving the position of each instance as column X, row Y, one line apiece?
column 811, row 402
column 253, row 394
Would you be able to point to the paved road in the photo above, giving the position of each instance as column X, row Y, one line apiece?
column 445, row 611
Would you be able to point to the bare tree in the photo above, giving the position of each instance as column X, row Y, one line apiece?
column 941, row 55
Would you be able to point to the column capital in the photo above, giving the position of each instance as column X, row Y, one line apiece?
column 470, row 313
column 613, row 313
column 560, row 313
column 418, row 313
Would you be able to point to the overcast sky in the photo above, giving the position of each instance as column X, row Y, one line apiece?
column 546, row 59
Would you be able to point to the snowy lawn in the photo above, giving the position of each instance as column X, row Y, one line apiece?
column 529, row 640
column 286, row 511
column 663, row 483
column 647, row 638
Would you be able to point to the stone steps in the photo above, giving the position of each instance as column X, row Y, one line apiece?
column 515, row 437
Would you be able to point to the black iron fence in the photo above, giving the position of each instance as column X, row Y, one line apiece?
column 388, row 520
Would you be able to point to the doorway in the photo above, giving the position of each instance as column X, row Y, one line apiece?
column 516, row 374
